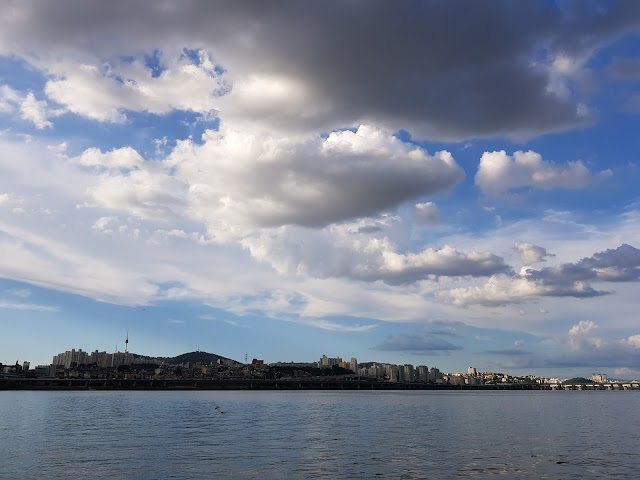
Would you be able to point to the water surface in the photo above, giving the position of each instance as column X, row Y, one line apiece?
column 296, row 434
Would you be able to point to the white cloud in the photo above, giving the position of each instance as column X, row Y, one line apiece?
column 35, row 111
column 238, row 183
column 337, row 252
column 9, row 98
column 499, row 173
column 495, row 292
column 27, row 306
column 105, row 225
column 125, row 158
column 31, row 109
column 621, row 264
column 10, row 200
column 146, row 194
column 106, row 93
column 426, row 213
column 633, row 341
column 19, row 292
column 338, row 327
column 582, row 328
column 40, row 260
column 531, row 253
column 283, row 181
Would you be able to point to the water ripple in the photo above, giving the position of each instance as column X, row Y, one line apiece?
column 318, row 435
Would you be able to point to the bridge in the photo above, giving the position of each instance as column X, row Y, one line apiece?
column 599, row 386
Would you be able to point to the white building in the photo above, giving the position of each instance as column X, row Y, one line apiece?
column 599, row 377
column 329, row 361
column 73, row 356
column 354, row 365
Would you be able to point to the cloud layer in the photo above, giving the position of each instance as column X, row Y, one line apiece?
column 500, row 173
column 238, row 156
column 275, row 65
column 621, row 264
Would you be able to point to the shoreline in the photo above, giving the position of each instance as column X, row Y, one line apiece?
column 281, row 384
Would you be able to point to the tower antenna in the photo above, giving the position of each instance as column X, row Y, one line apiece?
column 126, row 343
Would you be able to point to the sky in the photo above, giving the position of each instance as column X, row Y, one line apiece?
column 448, row 184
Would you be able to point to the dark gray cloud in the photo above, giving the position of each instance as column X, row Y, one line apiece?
column 510, row 352
column 613, row 356
column 416, row 343
column 532, row 253
column 370, row 229
column 625, row 257
column 438, row 69
column 625, row 68
column 444, row 332
column 621, row 264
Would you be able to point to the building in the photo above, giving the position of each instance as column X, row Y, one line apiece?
column 354, row 365
column 393, row 373
column 43, row 371
column 101, row 359
column 599, row 377
column 422, row 374
column 471, row 371
column 407, row 371
column 71, row 358
column 328, row 362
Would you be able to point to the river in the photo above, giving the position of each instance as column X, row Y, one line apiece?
column 319, row 434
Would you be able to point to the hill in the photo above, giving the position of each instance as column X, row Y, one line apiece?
column 195, row 357
column 578, row 381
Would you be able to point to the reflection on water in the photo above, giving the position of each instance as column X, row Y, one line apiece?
column 319, row 435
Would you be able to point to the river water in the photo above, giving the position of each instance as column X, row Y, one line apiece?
column 297, row 434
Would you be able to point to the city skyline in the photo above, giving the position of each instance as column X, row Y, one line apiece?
column 79, row 363
column 427, row 183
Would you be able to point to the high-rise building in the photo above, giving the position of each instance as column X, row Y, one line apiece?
column 423, row 373
column 329, row 361
column 471, row 371
column 408, row 372
column 354, row 365
column 73, row 356
column 393, row 373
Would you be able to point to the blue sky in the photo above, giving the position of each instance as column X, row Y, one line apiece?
column 401, row 184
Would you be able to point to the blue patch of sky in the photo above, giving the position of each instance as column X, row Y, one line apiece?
column 194, row 55
column 171, row 327
column 81, row 133
column 611, row 142
column 153, row 61
column 21, row 76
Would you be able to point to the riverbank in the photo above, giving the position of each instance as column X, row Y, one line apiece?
column 264, row 384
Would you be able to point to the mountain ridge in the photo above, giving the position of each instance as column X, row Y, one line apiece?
column 194, row 357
